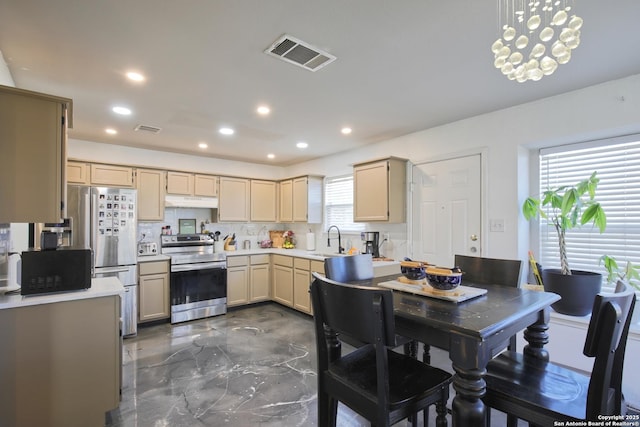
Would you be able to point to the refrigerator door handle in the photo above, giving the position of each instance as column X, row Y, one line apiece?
column 103, row 270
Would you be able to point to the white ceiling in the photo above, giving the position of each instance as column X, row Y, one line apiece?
column 402, row 66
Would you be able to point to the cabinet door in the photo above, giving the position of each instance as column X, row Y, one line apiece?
column 301, row 297
column 237, row 286
column 180, row 183
column 300, row 199
column 283, row 285
column 260, row 283
column 77, row 173
column 205, row 185
column 234, row 199
column 263, row 201
column 371, row 192
column 286, row 201
column 150, row 185
column 154, row 297
column 111, row 175
column 32, row 153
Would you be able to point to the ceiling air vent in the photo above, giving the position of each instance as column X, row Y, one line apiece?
column 299, row 53
column 146, row 128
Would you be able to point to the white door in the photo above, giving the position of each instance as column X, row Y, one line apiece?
column 446, row 210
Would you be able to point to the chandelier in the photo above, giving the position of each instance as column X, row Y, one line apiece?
column 536, row 36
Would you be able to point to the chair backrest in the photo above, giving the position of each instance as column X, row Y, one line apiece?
column 362, row 312
column 349, row 268
column 493, row 271
column 606, row 341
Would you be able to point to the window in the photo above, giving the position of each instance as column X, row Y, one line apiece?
column 617, row 162
column 338, row 193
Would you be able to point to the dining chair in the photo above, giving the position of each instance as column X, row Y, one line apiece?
column 378, row 383
column 541, row 392
column 491, row 271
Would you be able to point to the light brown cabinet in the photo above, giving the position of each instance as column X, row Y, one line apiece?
column 78, row 173
column 153, row 291
column 379, row 191
column 301, row 282
column 189, row 184
column 61, row 362
column 150, row 185
column 33, row 132
column 111, row 175
column 283, row 279
column 263, row 201
column 285, row 211
column 205, row 185
column 234, row 200
column 248, row 279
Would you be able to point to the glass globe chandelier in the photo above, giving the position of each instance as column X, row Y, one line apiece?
column 536, row 36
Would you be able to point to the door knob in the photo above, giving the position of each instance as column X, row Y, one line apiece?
column 474, row 237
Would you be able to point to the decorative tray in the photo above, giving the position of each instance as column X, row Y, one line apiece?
column 459, row 294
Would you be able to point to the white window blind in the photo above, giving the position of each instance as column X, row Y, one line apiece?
column 617, row 163
column 338, row 193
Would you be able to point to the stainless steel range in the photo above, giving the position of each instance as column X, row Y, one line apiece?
column 198, row 286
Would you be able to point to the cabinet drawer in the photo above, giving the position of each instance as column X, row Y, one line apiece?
column 301, row 263
column 283, row 260
column 259, row 259
column 237, row 261
column 317, row 267
column 155, row 267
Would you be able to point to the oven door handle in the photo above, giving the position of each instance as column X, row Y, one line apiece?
column 199, row 266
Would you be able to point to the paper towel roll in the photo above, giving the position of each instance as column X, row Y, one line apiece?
column 311, row 242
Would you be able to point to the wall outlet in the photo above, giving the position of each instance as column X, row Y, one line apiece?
column 496, row 225
column 385, row 236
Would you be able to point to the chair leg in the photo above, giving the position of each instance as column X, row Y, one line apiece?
column 324, row 410
column 426, row 354
column 512, row 421
column 441, row 410
column 411, row 349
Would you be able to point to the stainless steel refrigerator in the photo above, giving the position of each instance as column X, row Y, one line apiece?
column 104, row 219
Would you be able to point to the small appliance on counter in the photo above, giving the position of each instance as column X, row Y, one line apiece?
column 371, row 242
column 147, row 248
column 48, row 271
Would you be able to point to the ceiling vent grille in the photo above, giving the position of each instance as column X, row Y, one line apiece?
column 146, row 128
column 297, row 52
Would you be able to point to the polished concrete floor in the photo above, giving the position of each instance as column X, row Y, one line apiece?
column 253, row 366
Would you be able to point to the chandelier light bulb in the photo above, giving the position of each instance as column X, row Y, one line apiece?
column 536, row 37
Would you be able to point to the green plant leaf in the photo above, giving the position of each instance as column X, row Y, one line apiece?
column 530, row 208
column 569, row 200
column 594, row 213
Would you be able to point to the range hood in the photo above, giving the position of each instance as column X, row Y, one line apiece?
column 172, row 201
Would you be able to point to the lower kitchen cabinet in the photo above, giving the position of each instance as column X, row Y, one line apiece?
column 153, row 289
column 302, row 280
column 283, row 279
column 248, row 279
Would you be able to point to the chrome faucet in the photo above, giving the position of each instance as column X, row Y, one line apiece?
column 340, row 248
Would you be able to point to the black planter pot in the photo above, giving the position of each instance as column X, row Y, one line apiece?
column 577, row 290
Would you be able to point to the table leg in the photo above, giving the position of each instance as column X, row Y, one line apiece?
column 467, row 407
column 537, row 336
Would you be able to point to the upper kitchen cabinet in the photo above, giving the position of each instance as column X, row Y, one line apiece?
column 189, row 184
column 234, row 199
column 301, row 200
column 285, row 212
column 263, row 201
column 33, row 132
column 380, row 191
column 78, row 173
column 112, row 175
column 150, row 184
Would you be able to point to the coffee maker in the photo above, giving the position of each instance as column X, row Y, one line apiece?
column 371, row 241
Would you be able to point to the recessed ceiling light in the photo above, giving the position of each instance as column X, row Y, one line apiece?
column 111, row 131
column 271, row 156
column 346, row 131
column 226, row 131
column 263, row 110
column 203, row 145
column 134, row 76
column 302, row 144
column 122, row 110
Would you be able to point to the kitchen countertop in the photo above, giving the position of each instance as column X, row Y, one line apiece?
column 100, row 287
column 151, row 258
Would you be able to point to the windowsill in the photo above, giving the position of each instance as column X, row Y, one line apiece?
column 583, row 323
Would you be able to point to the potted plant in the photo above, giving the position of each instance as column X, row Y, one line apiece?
column 567, row 207
column 630, row 273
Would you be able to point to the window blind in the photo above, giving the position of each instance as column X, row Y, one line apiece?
column 618, row 166
column 338, row 193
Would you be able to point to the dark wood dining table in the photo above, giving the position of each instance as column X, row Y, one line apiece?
column 473, row 332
